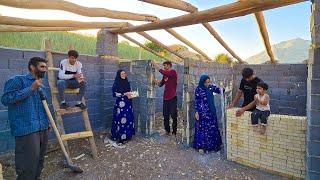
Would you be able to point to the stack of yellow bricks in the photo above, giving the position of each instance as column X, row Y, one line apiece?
column 281, row 151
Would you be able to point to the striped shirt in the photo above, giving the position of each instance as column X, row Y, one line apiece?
column 26, row 112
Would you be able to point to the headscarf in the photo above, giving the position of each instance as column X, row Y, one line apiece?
column 209, row 93
column 120, row 85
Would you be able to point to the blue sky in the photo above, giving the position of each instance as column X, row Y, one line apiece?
column 241, row 33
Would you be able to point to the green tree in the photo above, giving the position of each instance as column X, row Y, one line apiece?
column 223, row 58
column 154, row 47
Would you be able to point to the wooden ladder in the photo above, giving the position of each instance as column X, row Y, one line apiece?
column 59, row 112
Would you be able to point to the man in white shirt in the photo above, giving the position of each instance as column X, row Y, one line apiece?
column 70, row 76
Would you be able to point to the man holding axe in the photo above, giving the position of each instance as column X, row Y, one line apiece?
column 28, row 120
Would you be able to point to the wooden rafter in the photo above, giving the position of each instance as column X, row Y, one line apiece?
column 12, row 28
column 232, row 10
column 144, row 47
column 264, row 34
column 176, row 4
column 188, row 43
column 77, row 9
column 221, row 41
column 150, row 38
column 59, row 23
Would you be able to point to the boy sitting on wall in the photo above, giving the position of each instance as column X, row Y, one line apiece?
column 262, row 111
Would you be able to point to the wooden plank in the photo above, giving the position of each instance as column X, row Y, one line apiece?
column 231, row 10
column 88, row 128
column 77, row 9
column 77, row 135
column 72, row 110
column 13, row 28
column 188, row 43
column 54, row 90
column 59, row 23
column 175, row 4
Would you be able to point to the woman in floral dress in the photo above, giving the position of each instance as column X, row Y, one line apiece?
column 123, row 120
column 207, row 135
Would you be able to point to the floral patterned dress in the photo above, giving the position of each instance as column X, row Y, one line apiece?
column 207, row 135
column 123, row 120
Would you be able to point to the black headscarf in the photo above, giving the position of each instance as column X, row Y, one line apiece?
column 120, row 85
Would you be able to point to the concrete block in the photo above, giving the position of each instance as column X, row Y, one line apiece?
column 313, row 86
column 313, row 117
column 313, row 133
column 18, row 64
column 30, row 54
column 313, row 163
column 313, row 148
column 315, row 102
column 314, row 56
column 7, row 53
column 312, row 175
column 314, row 71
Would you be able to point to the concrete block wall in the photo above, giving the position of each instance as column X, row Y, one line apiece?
column 313, row 96
column 281, row 151
column 140, row 75
column 99, row 72
column 287, row 86
column 220, row 74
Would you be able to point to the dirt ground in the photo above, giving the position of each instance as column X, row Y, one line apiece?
column 153, row 157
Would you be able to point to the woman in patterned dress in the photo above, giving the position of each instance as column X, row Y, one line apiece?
column 123, row 120
column 207, row 136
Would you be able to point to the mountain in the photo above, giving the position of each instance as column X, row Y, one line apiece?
column 291, row 51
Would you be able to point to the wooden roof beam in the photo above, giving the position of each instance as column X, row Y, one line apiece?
column 150, row 38
column 12, row 28
column 175, row 4
column 215, row 34
column 188, row 43
column 231, row 10
column 144, row 47
column 264, row 34
column 59, row 23
column 77, row 9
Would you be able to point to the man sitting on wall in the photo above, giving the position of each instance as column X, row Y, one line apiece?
column 70, row 76
column 248, row 86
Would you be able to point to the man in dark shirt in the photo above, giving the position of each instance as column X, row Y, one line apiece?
column 169, row 79
column 248, row 88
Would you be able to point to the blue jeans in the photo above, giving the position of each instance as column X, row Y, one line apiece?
column 72, row 84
